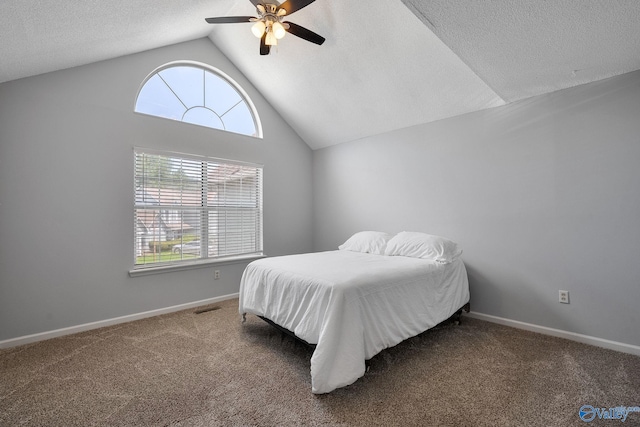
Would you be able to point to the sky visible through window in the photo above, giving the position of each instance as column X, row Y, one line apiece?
column 196, row 95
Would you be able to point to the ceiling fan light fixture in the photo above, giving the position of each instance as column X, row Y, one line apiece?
column 271, row 39
column 258, row 29
column 278, row 30
column 269, row 26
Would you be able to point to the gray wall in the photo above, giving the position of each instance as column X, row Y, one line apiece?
column 66, row 192
column 542, row 194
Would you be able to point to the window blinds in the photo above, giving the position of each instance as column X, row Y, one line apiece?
column 190, row 207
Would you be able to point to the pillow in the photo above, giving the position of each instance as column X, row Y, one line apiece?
column 422, row 245
column 373, row 242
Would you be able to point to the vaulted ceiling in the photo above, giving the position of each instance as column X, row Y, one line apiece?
column 385, row 65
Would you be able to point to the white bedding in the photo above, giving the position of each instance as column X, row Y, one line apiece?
column 351, row 304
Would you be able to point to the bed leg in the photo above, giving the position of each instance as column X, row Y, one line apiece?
column 244, row 317
column 457, row 318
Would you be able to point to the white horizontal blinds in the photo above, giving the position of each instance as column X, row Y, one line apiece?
column 168, row 208
column 190, row 207
column 235, row 208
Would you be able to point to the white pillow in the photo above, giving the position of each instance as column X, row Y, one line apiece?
column 421, row 245
column 373, row 242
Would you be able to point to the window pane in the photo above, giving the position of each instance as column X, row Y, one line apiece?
column 196, row 94
column 240, row 120
column 204, row 117
column 219, row 95
column 165, row 235
column 190, row 208
column 187, row 83
column 236, row 231
column 156, row 99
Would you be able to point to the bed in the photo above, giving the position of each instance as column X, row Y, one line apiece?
column 351, row 303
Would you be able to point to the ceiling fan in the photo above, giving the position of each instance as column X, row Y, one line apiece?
column 268, row 25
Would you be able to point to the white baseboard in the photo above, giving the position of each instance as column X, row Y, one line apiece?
column 27, row 339
column 586, row 339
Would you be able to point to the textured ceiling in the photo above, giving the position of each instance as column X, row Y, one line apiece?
column 523, row 48
column 385, row 65
column 39, row 36
column 380, row 69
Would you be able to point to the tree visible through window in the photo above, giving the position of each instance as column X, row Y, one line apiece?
column 198, row 94
column 191, row 208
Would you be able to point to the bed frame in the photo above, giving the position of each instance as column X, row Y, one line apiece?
column 285, row 331
column 456, row 318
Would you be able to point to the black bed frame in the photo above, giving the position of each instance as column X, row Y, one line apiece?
column 456, row 318
column 287, row 332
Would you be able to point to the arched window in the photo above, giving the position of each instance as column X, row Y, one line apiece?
column 199, row 94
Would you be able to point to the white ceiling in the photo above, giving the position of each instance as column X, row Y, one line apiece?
column 523, row 48
column 385, row 65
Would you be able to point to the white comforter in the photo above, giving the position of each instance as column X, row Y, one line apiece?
column 351, row 304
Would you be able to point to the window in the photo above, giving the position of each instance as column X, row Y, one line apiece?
column 192, row 208
column 196, row 93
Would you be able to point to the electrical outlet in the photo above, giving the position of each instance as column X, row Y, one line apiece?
column 216, row 274
column 563, row 297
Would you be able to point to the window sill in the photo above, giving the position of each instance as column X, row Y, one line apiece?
column 144, row 271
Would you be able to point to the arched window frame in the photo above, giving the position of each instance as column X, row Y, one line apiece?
column 207, row 68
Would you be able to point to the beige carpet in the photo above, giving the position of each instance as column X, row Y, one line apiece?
column 209, row 369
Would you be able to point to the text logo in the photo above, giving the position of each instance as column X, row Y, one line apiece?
column 588, row 413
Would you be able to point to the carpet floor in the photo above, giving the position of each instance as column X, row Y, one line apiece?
column 209, row 369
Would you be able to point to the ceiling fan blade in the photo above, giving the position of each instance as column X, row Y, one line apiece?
column 264, row 47
column 229, row 19
column 294, row 5
column 256, row 2
column 303, row 33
